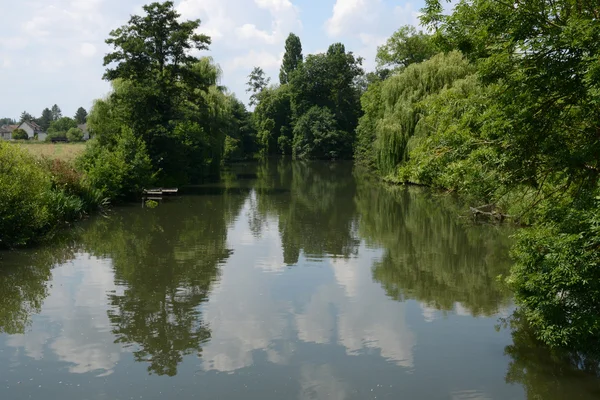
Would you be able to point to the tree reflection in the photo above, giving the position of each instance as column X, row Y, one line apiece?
column 24, row 277
column 547, row 374
column 430, row 254
column 166, row 260
column 311, row 202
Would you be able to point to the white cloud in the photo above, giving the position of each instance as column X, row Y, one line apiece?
column 370, row 22
column 350, row 15
column 264, row 59
column 87, row 50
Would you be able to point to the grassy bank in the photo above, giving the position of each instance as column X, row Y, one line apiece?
column 67, row 152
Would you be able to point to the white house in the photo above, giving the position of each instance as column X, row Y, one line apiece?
column 33, row 129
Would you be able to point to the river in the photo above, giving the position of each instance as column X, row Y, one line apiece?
column 284, row 281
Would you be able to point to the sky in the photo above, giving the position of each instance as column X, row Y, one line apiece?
column 51, row 51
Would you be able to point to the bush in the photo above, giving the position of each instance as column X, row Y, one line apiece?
column 25, row 188
column 75, row 135
column 117, row 171
column 556, row 278
column 55, row 135
column 19, row 134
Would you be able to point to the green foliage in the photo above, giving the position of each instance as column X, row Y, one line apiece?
column 62, row 126
column 45, row 120
column 81, row 115
column 25, row 197
column 75, row 135
column 19, row 134
column 25, row 116
column 117, row 171
column 291, row 58
column 154, row 47
column 521, row 134
column 316, row 136
column 405, row 47
column 273, row 120
column 393, row 110
column 7, row 121
column 328, row 80
column 556, row 277
column 170, row 99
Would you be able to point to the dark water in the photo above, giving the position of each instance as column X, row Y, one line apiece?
column 286, row 281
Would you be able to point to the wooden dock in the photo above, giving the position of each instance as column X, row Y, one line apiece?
column 161, row 192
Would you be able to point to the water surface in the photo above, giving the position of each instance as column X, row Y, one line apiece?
column 285, row 281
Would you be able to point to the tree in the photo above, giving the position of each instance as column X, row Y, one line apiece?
column 273, row 120
column 291, row 58
column 329, row 80
column 19, row 134
column 45, row 120
column 25, row 116
column 405, row 47
column 62, row 125
column 81, row 116
column 169, row 97
column 75, row 135
column 56, row 113
column 257, row 82
column 317, row 136
column 153, row 47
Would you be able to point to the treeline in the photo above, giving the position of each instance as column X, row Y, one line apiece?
column 53, row 122
column 500, row 104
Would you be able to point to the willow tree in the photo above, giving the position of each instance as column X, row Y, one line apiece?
column 398, row 111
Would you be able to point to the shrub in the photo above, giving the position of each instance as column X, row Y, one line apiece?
column 19, row 134
column 55, row 135
column 75, row 135
column 117, row 171
column 24, row 197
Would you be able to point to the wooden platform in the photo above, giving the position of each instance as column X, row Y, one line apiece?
column 161, row 192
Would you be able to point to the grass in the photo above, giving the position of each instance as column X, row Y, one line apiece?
column 63, row 151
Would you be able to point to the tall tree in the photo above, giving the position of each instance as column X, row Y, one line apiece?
column 291, row 58
column 46, row 119
column 81, row 115
column 257, row 82
column 329, row 80
column 155, row 46
column 56, row 113
column 25, row 116
column 165, row 93
column 405, row 47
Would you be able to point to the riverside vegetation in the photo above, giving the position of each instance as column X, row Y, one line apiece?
column 500, row 104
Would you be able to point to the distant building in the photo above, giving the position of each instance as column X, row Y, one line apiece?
column 6, row 131
column 32, row 130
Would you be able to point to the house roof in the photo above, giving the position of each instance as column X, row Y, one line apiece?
column 36, row 128
column 5, row 129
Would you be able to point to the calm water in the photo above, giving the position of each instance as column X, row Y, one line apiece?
column 286, row 281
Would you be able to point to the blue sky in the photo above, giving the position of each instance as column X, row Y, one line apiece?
column 51, row 51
